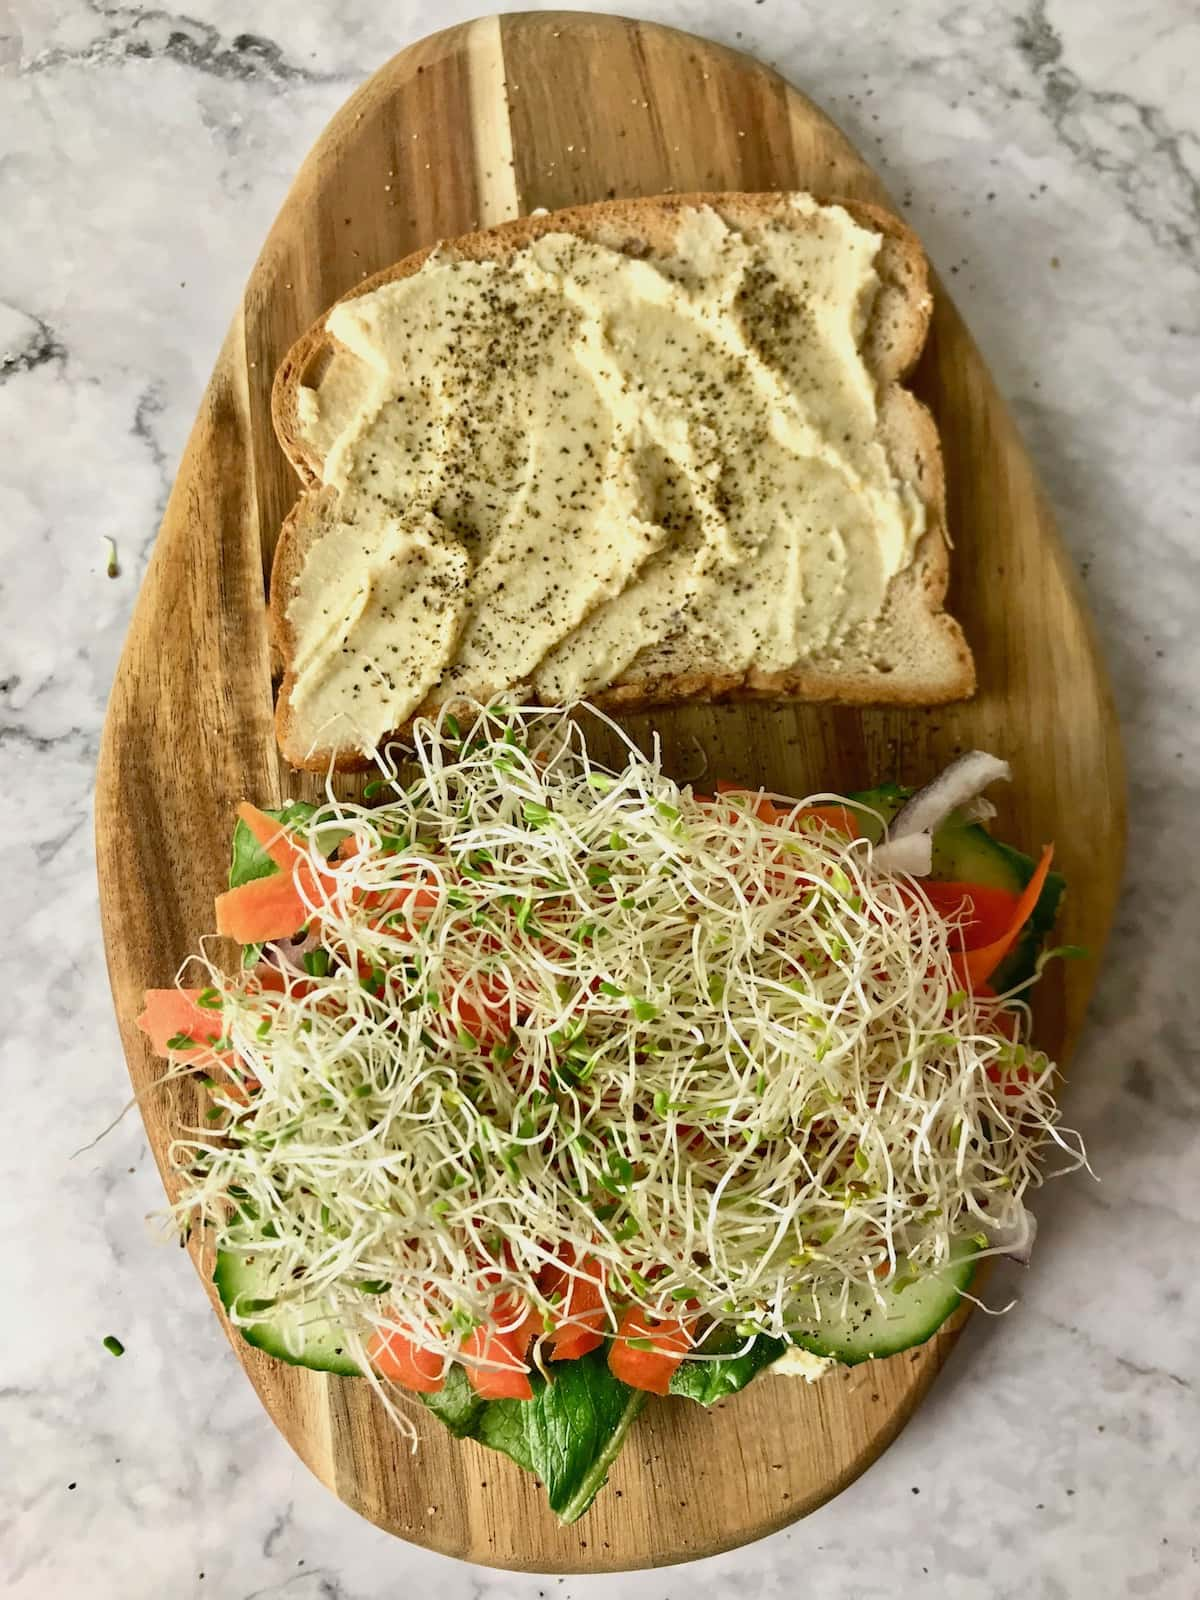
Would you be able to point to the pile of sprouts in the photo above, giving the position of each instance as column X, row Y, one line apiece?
column 549, row 1011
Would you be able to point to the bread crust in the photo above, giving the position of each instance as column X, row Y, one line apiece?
column 893, row 343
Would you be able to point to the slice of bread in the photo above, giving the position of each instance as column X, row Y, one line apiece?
column 913, row 652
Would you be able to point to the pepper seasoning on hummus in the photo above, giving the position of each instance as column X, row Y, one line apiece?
column 554, row 467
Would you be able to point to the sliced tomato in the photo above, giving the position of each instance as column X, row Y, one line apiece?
column 647, row 1350
column 505, row 1376
column 414, row 899
column 394, row 1355
column 1005, row 1022
column 419, row 899
column 483, row 1010
column 580, row 1316
column 266, row 908
column 975, row 966
column 173, row 1014
column 983, row 913
column 1013, row 1079
column 764, row 809
column 239, row 1090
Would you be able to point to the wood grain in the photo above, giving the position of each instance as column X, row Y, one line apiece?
column 473, row 125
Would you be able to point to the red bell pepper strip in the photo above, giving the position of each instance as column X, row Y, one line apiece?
column 975, row 967
column 484, row 1011
column 983, row 914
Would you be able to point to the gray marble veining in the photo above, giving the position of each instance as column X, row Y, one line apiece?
column 1049, row 154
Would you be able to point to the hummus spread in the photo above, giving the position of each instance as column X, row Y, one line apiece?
column 550, row 467
column 797, row 1363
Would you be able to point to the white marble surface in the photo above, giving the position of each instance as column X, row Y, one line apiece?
column 1049, row 154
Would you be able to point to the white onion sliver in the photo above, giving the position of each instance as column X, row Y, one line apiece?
column 1016, row 1240
column 912, row 853
column 959, row 783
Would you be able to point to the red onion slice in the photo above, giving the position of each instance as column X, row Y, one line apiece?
column 288, row 954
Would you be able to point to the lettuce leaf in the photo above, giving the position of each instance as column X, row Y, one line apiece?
column 572, row 1430
column 568, row 1435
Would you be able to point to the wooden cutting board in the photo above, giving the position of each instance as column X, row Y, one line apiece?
column 477, row 124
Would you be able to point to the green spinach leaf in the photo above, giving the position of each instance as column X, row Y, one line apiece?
column 706, row 1381
column 574, row 1428
column 568, row 1435
column 250, row 860
column 457, row 1404
column 502, row 1427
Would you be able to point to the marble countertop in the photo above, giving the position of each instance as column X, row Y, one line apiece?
column 1051, row 162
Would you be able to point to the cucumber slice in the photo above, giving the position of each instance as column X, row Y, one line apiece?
column 304, row 1341
column 965, row 852
column 886, row 798
column 868, row 1331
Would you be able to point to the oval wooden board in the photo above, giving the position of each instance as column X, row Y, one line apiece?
column 480, row 123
